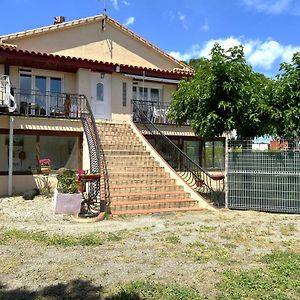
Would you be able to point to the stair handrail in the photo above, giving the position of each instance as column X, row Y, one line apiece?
column 191, row 172
column 98, row 162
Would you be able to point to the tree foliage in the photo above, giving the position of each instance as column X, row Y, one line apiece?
column 225, row 94
column 285, row 102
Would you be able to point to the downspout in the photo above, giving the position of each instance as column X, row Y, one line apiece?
column 10, row 155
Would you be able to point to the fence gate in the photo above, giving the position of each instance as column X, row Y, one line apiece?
column 264, row 176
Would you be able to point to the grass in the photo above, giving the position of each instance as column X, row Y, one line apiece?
column 91, row 239
column 204, row 252
column 150, row 290
column 288, row 229
column 278, row 279
column 205, row 228
column 173, row 239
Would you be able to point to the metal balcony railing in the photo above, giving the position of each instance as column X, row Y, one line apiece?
column 49, row 104
column 156, row 112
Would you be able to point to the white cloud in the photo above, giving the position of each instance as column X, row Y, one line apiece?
column 115, row 4
column 274, row 7
column 182, row 19
column 126, row 2
column 171, row 16
column 194, row 52
column 129, row 21
column 205, row 26
column 262, row 54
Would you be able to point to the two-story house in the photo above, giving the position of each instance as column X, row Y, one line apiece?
column 92, row 65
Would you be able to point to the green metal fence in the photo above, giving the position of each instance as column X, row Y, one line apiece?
column 264, row 180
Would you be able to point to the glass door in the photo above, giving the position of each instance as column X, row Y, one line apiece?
column 40, row 95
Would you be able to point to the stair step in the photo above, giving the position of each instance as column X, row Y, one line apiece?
column 146, row 169
column 155, row 211
column 124, row 147
column 142, row 180
column 148, row 195
column 138, row 175
column 144, row 187
column 114, row 134
column 137, row 205
column 134, row 157
column 116, row 127
column 126, row 152
column 133, row 163
column 124, row 142
column 153, row 201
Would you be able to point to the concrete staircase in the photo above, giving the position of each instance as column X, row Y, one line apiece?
column 138, row 185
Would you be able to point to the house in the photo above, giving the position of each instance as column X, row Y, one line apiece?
column 92, row 67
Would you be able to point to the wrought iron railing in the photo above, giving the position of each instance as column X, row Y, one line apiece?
column 210, row 186
column 98, row 196
column 67, row 105
column 49, row 104
column 155, row 111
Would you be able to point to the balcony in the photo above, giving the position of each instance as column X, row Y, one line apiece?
column 48, row 104
column 153, row 111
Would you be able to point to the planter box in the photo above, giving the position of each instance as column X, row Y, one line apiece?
column 68, row 204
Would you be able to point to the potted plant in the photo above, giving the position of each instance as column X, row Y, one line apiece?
column 67, row 199
column 45, row 165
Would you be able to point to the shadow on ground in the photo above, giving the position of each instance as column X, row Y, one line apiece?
column 76, row 289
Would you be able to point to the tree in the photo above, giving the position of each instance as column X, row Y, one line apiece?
column 224, row 94
column 286, row 100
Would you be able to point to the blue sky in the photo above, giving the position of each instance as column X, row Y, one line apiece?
column 268, row 29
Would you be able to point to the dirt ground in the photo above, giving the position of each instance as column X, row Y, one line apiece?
column 187, row 248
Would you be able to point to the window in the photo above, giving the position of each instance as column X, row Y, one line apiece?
column 134, row 93
column 25, row 93
column 99, row 92
column 55, row 85
column 34, row 93
column 27, row 149
column 143, row 93
column 124, row 94
column 154, row 95
column 192, row 149
column 146, row 94
column 214, row 155
column 40, row 95
column 25, row 83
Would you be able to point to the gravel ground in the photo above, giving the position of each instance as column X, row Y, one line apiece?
column 187, row 248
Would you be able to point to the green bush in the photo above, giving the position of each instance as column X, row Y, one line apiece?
column 66, row 181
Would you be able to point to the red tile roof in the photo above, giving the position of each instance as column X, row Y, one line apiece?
column 10, row 54
column 11, row 37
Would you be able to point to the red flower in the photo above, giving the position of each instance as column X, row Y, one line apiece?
column 45, row 162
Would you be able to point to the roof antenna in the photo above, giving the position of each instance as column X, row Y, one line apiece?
column 104, row 9
column 105, row 17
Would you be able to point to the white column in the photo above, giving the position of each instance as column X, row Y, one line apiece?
column 226, row 170
column 10, row 155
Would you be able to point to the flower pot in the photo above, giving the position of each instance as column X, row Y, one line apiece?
column 69, row 204
column 45, row 170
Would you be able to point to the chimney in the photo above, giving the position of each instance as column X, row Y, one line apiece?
column 59, row 20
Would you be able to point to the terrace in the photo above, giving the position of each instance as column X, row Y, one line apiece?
column 27, row 102
column 154, row 111
column 49, row 104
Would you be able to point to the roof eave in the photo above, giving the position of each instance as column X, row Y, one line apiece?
column 12, row 56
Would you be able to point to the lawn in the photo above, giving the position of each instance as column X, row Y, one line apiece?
column 204, row 255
